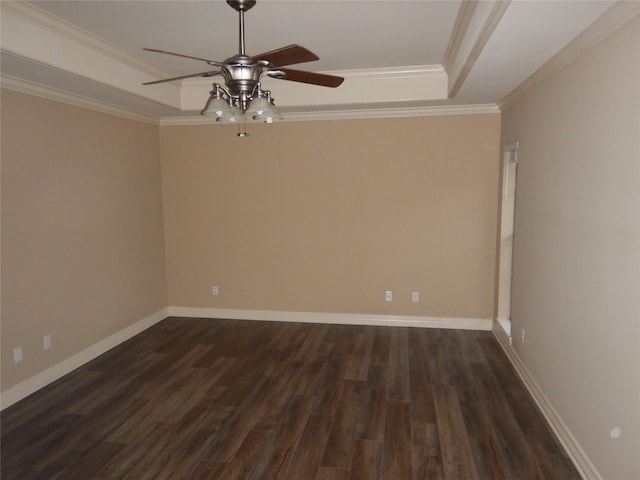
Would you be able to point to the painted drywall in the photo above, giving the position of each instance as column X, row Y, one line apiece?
column 576, row 271
column 327, row 216
column 82, row 233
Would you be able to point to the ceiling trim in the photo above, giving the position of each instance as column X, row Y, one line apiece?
column 365, row 87
column 50, row 93
column 460, row 27
column 617, row 15
column 26, row 30
column 354, row 114
column 490, row 24
column 58, row 26
column 392, row 72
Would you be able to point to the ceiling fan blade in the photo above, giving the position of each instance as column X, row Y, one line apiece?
column 201, row 74
column 288, row 55
column 210, row 62
column 313, row 78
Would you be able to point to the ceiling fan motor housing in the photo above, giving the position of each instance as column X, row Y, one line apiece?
column 242, row 74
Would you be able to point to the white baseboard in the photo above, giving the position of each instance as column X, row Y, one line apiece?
column 559, row 428
column 505, row 323
column 44, row 378
column 340, row 318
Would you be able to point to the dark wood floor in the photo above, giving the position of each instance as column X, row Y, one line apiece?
column 220, row 399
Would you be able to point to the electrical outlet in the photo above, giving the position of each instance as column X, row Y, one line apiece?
column 522, row 336
column 46, row 342
column 388, row 296
column 17, row 354
column 415, row 297
column 214, row 291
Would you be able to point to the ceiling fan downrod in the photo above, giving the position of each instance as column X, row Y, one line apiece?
column 241, row 6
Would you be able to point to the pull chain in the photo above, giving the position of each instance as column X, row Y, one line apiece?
column 242, row 130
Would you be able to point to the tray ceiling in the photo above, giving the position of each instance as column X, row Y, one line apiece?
column 396, row 55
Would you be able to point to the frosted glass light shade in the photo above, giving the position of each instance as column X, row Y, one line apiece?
column 269, row 113
column 257, row 107
column 232, row 116
column 217, row 107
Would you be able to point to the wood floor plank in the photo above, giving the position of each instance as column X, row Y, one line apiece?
column 509, row 437
column 470, row 343
column 367, row 458
column 423, row 415
column 330, row 386
column 427, row 465
column 241, row 422
column 246, row 457
column 360, row 359
column 138, row 447
column 306, row 458
column 207, row 470
column 195, row 398
column 339, row 449
column 289, row 337
column 280, row 395
column 439, row 373
column 278, row 454
column 186, row 445
column 396, row 460
column 398, row 383
column 380, row 348
column 312, row 378
column 308, row 350
column 374, row 405
column 487, row 454
column 150, row 458
column 457, row 455
column 328, row 473
column 90, row 464
column 460, row 374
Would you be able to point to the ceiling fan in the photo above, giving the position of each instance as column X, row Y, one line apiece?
column 241, row 96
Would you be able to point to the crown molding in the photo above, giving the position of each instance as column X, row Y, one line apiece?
column 26, row 29
column 416, row 83
column 391, row 72
column 49, row 93
column 460, row 27
column 614, row 18
column 36, row 16
column 488, row 27
column 353, row 114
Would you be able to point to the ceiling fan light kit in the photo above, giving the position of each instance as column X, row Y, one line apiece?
column 242, row 98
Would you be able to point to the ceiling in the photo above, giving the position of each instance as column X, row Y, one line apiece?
column 394, row 54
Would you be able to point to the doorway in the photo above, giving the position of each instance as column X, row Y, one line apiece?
column 507, row 224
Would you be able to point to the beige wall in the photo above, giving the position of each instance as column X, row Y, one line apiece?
column 576, row 267
column 82, row 235
column 326, row 216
